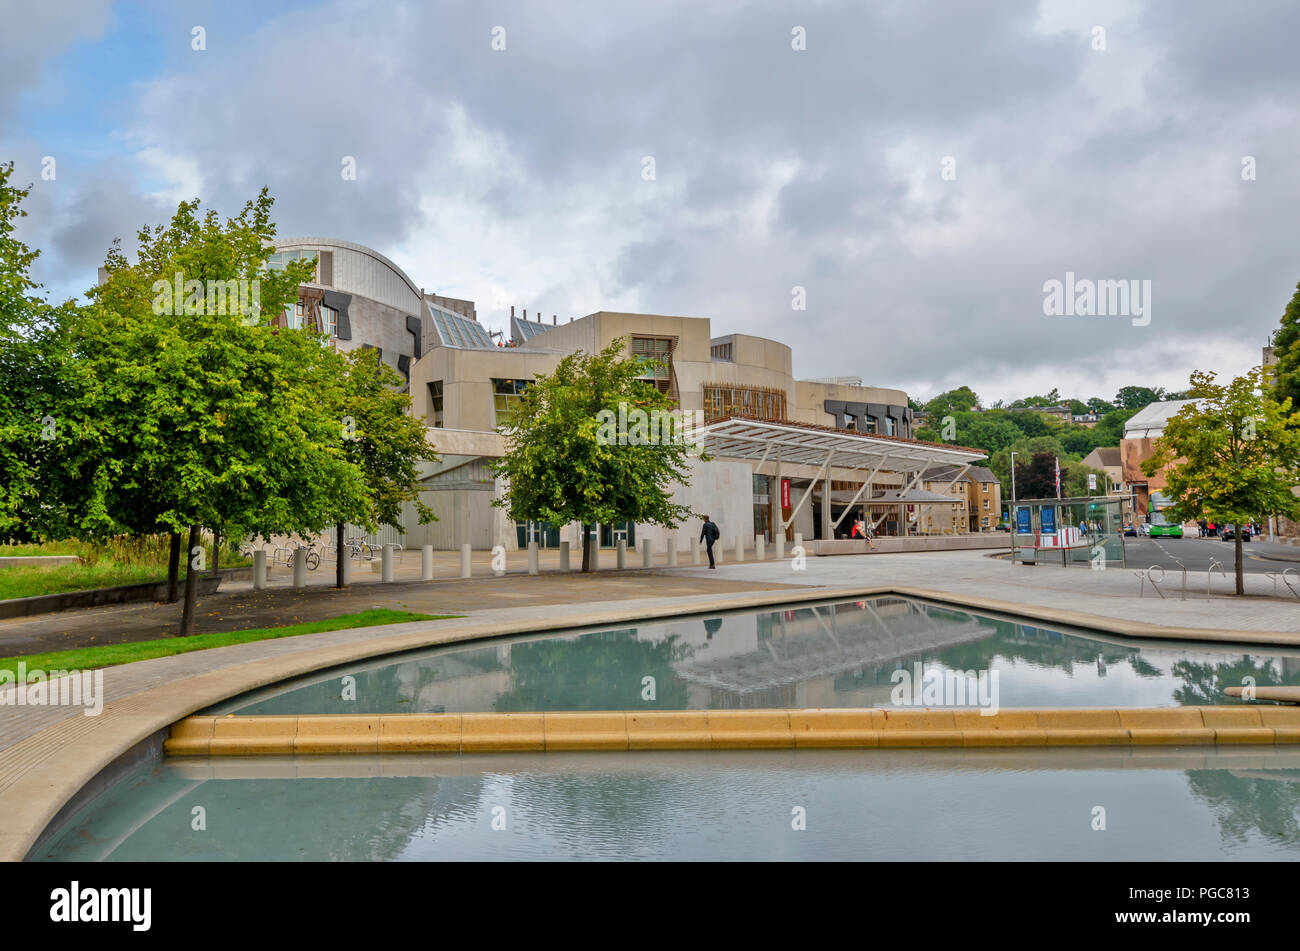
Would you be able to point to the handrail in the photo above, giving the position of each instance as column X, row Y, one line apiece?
column 1208, row 571
column 1145, row 576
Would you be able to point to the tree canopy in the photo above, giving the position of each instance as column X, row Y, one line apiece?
column 562, row 465
column 1232, row 456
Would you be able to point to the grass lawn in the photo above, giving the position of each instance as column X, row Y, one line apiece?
column 28, row 581
column 88, row 658
column 117, row 562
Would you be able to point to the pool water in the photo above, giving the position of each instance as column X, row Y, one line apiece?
column 829, row 655
column 853, row 805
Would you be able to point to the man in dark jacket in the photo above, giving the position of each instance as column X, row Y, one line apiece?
column 709, row 534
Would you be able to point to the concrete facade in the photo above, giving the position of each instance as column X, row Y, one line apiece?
column 463, row 381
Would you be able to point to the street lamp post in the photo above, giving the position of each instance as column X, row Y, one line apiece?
column 1014, row 512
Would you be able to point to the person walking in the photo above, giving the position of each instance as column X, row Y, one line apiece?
column 709, row 533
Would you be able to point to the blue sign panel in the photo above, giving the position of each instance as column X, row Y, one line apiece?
column 1048, row 516
column 1022, row 521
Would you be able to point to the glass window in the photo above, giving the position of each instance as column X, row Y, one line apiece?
column 658, row 349
column 329, row 320
column 506, row 395
column 435, row 403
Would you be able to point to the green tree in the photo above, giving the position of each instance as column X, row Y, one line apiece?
column 385, row 442
column 31, row 356
column 1136, row 397
column 1099, row 406
column 1232, row 456
column 1286, row 346
column 1036, row 476
column 1079, row 440
column 565, row 461
column 960, row 400
column 1000, row 461
column 185, row 409
column 1110, row 428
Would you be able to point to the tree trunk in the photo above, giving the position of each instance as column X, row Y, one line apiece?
column 340, row 556
column 1236, row 541
column 216, row 553
column 173, row 566
column 191, row 585
column 586, row 547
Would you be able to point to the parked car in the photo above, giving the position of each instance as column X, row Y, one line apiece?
column 1004, row 527
column 1229, row 532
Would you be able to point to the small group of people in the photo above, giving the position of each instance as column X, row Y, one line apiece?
column 710, row 533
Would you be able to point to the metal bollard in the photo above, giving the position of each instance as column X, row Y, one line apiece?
column 564, row 556
column 465, row 552
column 595, row 554
column 621, row 556
column 347, row 569
column 759, row 544
column 647, row 553
column 780, row 546
column 740, row 548
column 798, row 539
column 426, row 562
column 300, row 567
column 672, row 551
column 533, row 566
column 259, row 569
column 386, row 563
column 695, row 550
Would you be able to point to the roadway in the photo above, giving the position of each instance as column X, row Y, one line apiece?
column 1197, row 553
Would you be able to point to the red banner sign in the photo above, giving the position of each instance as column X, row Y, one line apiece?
column 785, row 493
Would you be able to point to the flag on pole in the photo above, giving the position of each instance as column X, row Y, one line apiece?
column 1058, row 476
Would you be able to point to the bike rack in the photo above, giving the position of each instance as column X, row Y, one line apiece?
column 1182, row 594
column 1209, row 571
column 1145, row 576
column 1287, row 581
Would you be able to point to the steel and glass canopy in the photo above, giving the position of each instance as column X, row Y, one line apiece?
column 804, row 444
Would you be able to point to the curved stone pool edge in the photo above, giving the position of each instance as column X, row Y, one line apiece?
column 629, row 730
column 42, row 775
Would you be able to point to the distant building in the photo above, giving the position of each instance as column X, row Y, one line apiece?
column 1138, row 445
column 1107, row 459
column 977, row 505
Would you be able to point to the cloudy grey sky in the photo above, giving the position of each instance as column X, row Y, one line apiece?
column 515, row 176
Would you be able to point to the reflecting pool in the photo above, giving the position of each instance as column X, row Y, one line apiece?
column 830, row 655
column 802, row 805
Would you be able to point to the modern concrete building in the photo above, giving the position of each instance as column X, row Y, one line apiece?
column 788, row 456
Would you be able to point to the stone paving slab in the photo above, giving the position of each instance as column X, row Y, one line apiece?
column 243, row 608
column 1113, row 593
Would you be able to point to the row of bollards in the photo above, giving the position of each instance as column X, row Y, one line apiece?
column 387, row 573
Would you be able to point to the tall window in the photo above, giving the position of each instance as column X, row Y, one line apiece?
column 293, row 316
column 658, row 349
column 505, row 394
column 435, row 403
column 329, row 320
